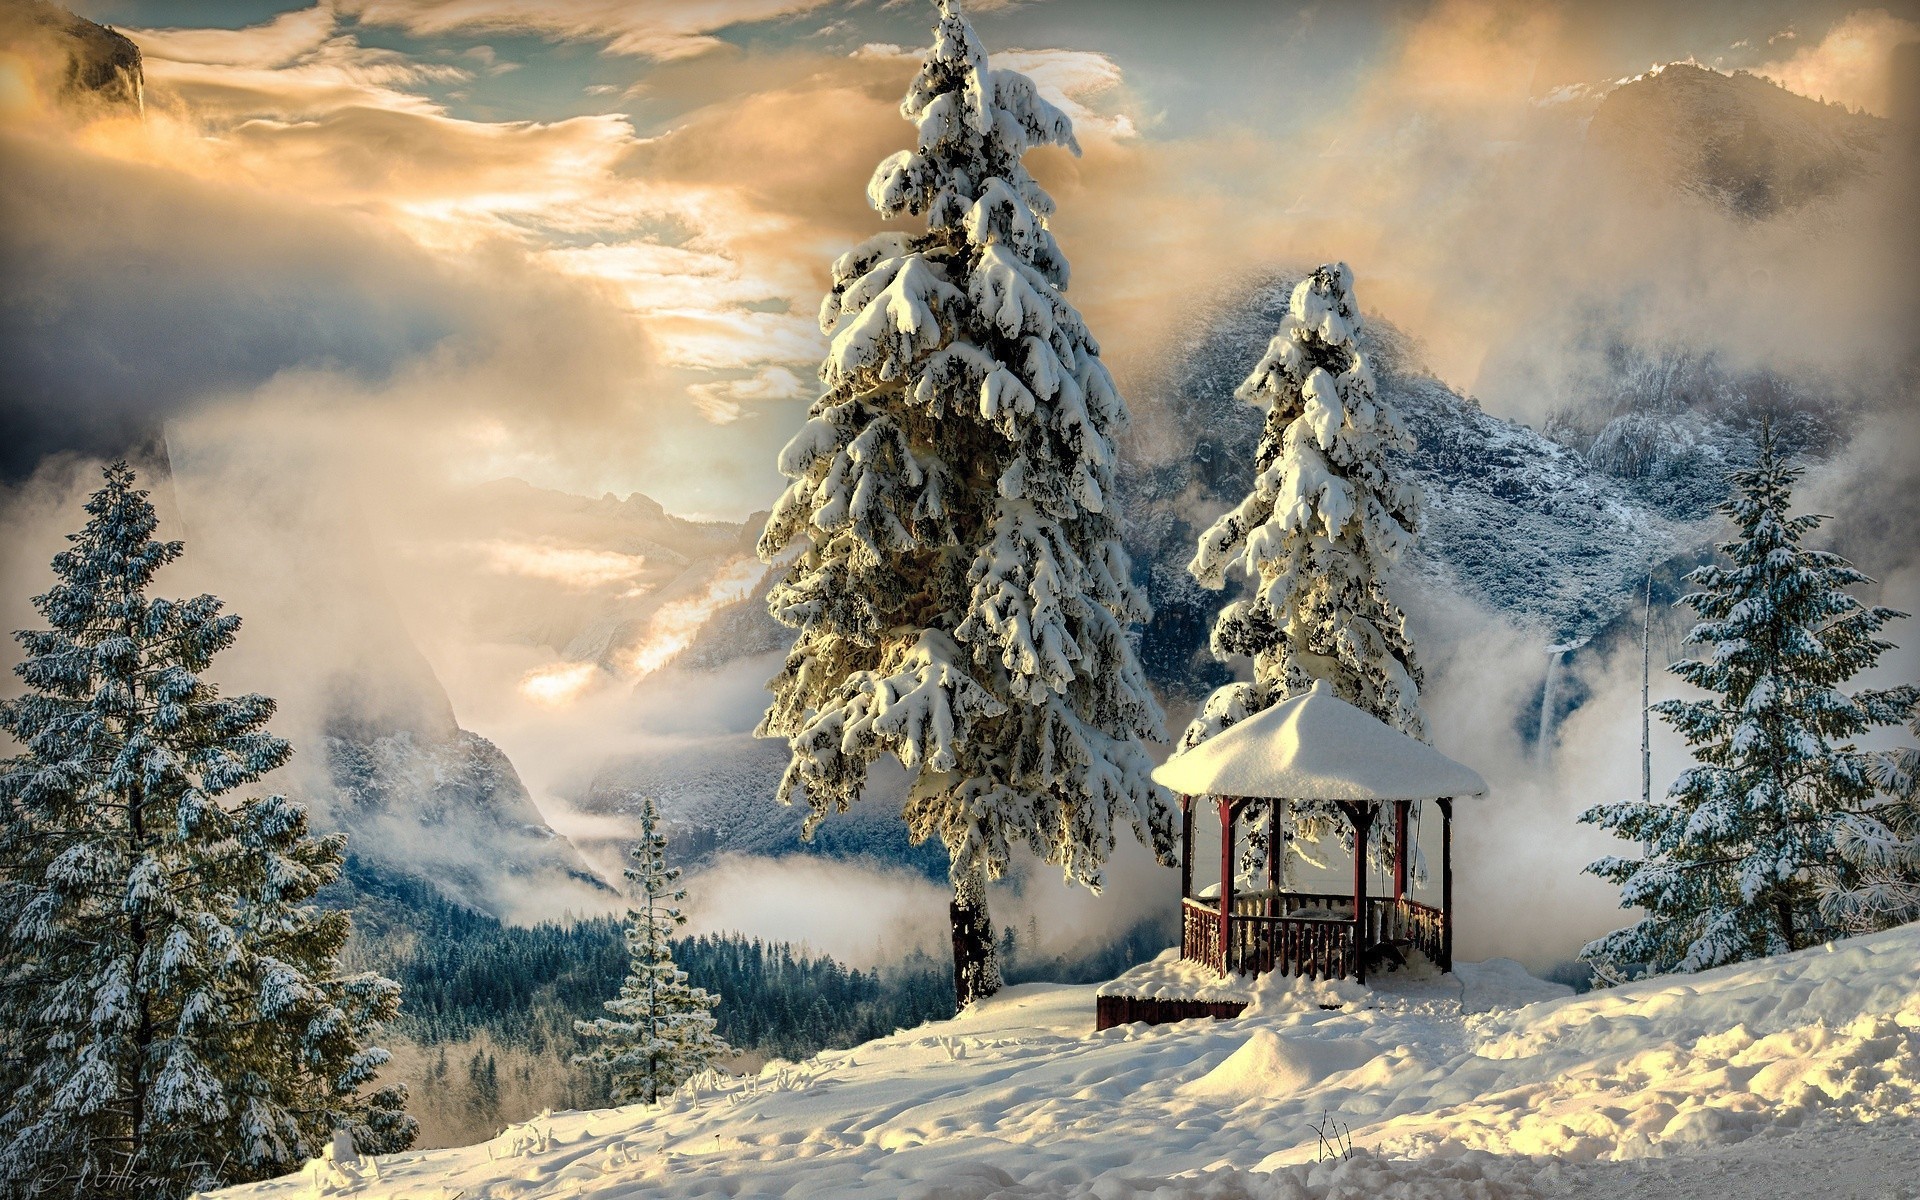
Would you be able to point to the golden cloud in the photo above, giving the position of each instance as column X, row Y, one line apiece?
column 1851, row 65
column 656, row 29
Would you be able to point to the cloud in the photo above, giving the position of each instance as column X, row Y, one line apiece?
column 1074, row 80
column 864, row 916
column 1851, row 65
column 134, row 293
column 288, row 38
column 295, row 204
column 655, row 29
column 723, row 401
column 298, row 62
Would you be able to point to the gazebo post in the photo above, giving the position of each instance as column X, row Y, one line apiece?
column 1273, row 857
column 1186, row 849
column 1446, row 882
column 1400, row 808
column 1361, row 815
column 1226, row 883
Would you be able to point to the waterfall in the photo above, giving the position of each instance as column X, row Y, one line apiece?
column 1543, row 749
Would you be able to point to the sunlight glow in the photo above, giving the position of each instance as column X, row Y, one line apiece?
column 559, row 685
column 676, row 623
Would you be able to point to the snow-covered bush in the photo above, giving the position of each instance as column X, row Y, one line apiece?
column 958, row 582
column 661, row 1033
column 1735, row 857
column 1325, row 522
column 173, row 1015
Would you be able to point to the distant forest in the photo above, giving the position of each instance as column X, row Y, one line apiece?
column 486, row 1021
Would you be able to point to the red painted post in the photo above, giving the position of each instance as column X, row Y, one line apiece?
column 1361, row 815
column 1226, row 883
column 1400, row 856
column 1186, row 849
column 1446, row 883
column 1273, row 856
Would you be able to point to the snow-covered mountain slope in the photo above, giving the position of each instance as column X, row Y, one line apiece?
column 716, row 796
column 1448, row 1086
column 379, row 750
column 1515, row 520
column 449, row 808
column 1737, row 140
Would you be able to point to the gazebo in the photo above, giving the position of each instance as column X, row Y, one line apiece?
column 1314, row 746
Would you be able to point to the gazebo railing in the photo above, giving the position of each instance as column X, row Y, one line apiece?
column 1263, row 934
column 1421, row 926
column 1200, row 934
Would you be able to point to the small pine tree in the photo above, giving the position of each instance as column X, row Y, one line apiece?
column 661, row 1033
column 1876, row 884
column 1327, row 519
column 957, row 578
column 1734, row 858
column 172, row 1012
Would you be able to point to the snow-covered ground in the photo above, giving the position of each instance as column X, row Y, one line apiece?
column 1790, row 1077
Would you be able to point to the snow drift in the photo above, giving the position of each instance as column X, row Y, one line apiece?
column 1449, row 1086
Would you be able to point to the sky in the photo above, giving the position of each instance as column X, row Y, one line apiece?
column 355, row 257
column 582, row 243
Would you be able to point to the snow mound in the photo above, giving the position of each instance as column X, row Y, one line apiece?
column 1268, row 1064
column 1503, row 983
column 1171, row 977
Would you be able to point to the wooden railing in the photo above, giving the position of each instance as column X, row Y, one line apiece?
column 1266, row 933
column 1200, row 934
column 1313, row 947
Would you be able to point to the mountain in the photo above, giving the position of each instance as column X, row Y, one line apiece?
column 379, row 752
column 451, row 810
column 73, row 58
column 1739, row 141
column 1515, row 520
column 716, row 795
column 1669, row 418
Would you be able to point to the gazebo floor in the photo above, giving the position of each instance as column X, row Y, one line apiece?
column 1126, row 1010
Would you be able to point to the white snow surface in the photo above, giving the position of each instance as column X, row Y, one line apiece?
column 1316, row 746
column 1790, row 1077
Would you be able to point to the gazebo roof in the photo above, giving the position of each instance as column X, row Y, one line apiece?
column 1316, row 746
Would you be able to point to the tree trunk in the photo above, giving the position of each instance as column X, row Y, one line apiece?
column 976, row 964
column 1783, row 909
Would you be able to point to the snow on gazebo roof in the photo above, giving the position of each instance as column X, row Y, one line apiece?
column 1316, row 746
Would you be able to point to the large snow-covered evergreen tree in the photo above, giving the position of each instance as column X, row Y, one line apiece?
column 1734, row 857
column 958, row 581
column 661, row 1032
column 172, row 1012
column 1317, row 537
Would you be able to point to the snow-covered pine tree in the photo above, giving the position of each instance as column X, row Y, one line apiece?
column 661, row 1032
column 1327, row 519
column 172, row 1012
column 961, row 593
column 1734, row 857
column 1876, row 883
